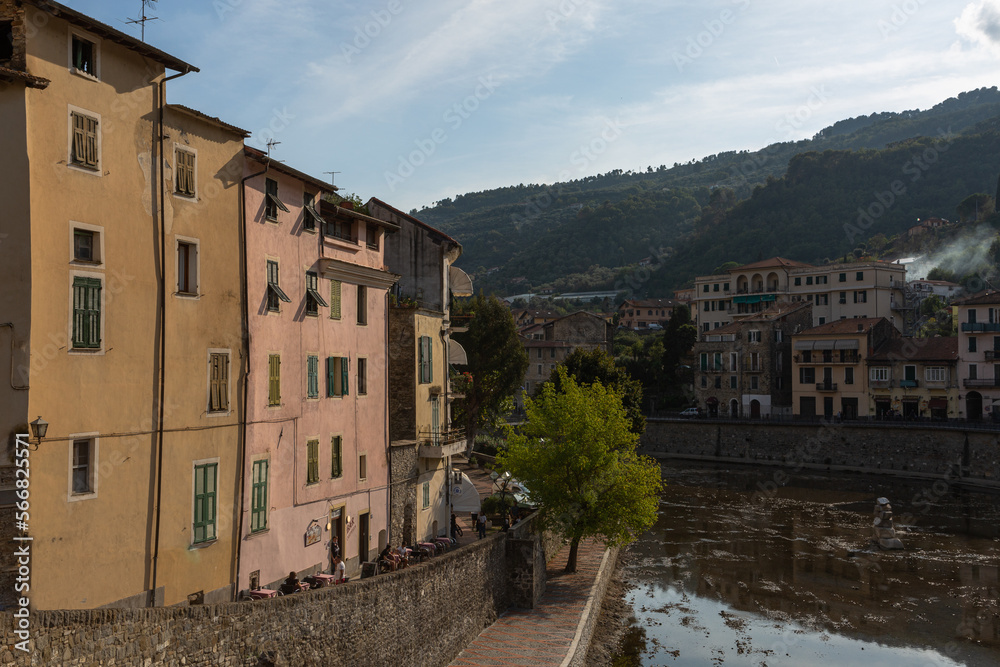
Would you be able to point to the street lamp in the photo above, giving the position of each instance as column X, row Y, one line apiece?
column 38, row 429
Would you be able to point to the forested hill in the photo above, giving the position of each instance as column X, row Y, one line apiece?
column 590, row 232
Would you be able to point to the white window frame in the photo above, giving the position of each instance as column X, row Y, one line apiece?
column 69, row 315
column 93, row 39
column 208, row 382
column 930, row 373
column 178, row 240
column 879, row 374
column 94, row 476
column 425, row 496
column 98, row 232
column 753, row 336
column 178, row 148
column 70, row 110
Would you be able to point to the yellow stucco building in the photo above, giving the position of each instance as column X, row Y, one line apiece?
column 122, row 307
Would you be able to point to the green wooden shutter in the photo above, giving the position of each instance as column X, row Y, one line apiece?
column 330, row 377
column 336, row 454
column 312, row 456
column 312, row 370
column 345, row 367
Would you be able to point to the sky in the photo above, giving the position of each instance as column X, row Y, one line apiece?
column 413, row 102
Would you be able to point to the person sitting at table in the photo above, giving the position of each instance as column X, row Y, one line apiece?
column 338, row 570
column 290, row 585
column 387, row 559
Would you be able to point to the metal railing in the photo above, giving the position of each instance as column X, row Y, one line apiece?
column 873, row 421
column 437, row 437
column 980, row 327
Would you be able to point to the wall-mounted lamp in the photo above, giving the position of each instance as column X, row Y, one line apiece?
column 39, row 428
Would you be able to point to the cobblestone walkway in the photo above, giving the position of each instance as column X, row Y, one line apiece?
column 543, row 635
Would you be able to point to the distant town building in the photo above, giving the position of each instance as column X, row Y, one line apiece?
column 559, row 338
column 914, row 378
column 837, row 291
column 978, row 319
column 926, row 225
column 645, row 313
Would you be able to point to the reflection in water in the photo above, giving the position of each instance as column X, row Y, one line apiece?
column 730, row 574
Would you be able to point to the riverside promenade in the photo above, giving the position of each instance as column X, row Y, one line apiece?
column 557, row 631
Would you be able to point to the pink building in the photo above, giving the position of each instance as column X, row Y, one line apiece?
column 317, row 420
column 978, row 319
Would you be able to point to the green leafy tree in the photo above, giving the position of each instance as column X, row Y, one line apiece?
column 679, row 338
column 587, row 366
column 576, row 454
column 497, row 362
column 938, row 273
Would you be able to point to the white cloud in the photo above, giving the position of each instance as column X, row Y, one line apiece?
column 980, row 23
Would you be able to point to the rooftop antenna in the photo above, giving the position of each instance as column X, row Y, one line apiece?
column 271, row 143
column 142, row 21
column 333, row 175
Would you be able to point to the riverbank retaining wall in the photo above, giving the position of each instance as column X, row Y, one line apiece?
column 966, row 456
column 422, row 615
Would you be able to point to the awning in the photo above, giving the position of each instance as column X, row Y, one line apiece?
column 941, row 403
column 461, row 283
column 712, row 400
column 456, row 354
column 846, row 345
column 823, row 344
column 803, row 345
column 753, row 298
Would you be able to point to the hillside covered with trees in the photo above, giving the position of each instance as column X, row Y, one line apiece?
column 803, row 200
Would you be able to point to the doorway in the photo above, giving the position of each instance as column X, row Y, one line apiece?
column 973, row 404
column 336, row 533
column 363, row 537
column 755, row 409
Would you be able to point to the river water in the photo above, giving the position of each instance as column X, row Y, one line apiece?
column 755, row 566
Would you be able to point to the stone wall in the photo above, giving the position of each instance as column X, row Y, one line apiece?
column 423, row 615
column 973, row 456
column 403, row 472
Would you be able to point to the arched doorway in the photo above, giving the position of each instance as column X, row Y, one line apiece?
column 974, row 406
column 755, row 409
column 734, row 408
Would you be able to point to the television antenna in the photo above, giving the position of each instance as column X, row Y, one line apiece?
column 333, row 175
column 142, row 21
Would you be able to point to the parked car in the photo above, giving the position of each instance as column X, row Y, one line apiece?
column 691, row 413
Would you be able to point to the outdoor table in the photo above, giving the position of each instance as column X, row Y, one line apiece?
column 262, row 593
column 326, row 579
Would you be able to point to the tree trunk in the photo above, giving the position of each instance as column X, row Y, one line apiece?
column 574, row 546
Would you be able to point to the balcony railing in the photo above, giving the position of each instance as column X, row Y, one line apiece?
column 982, row 382
column 437, row 444
column 909, row 384
column 826, row 386
column 817, row 360
column 992, row 355
column 880, row 384
column 980, row 327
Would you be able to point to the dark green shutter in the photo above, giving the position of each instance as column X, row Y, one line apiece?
column 345, row 366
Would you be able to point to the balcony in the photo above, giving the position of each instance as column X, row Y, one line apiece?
column 713, row 368
column 831, row 361
column 437, row 444
column 826, row 386
column 980, row 327
column 909, row 384
column 992, row 355
column 880, row 384
column 982, row 382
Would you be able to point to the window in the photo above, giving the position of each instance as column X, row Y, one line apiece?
column 6, row 40
column 184, row 173
column 972, row 343
column 85, row 150
column 807, row 356
column 879, row 374
column 779, row 382
column 715, row 288
column 426, row 360
column 707, row 306
column 187, row 267
column 275, row 294
column 779, row 335
column 843, row 297
column 83, row 55
column 778, row 361
column 362, row 304
column 809, row 280
column 274, row 379
column 336, row 457
column 754, row 382
column 552, row 353
column 822, row 299
column 822, row 320
column 372, row 234
column 539, row 369
column 753, row 336
column 313, row 299
column 334, row 299
column 755, row 361
column 86, row 246
column 310, row 216
column 704, row 361
column 732, row 382
column 807, row 406
column 271, row 202
column 218, row 382
column 820, row 280
column 861, row 296
column 205, row 501
column 848, row 375
column 337, row 369
column 363, row 467
column 936, row 374
column 732, row 361
column 82, row 467
column 705, row 289
column 842, row 278
column 860, row 275
column 312, row 462
column 425, row 495
column 972, row 316
column 258, row 496
column 539, row 353
column 798, row 281
column 312, row 375
column 362, row 376
column 973, row 372
column 807, row 375
column 718, row 382
column 86, row 313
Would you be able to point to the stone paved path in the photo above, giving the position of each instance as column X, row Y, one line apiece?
column 543, row 635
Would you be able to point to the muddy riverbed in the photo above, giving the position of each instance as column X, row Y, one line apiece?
column 748, row 567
